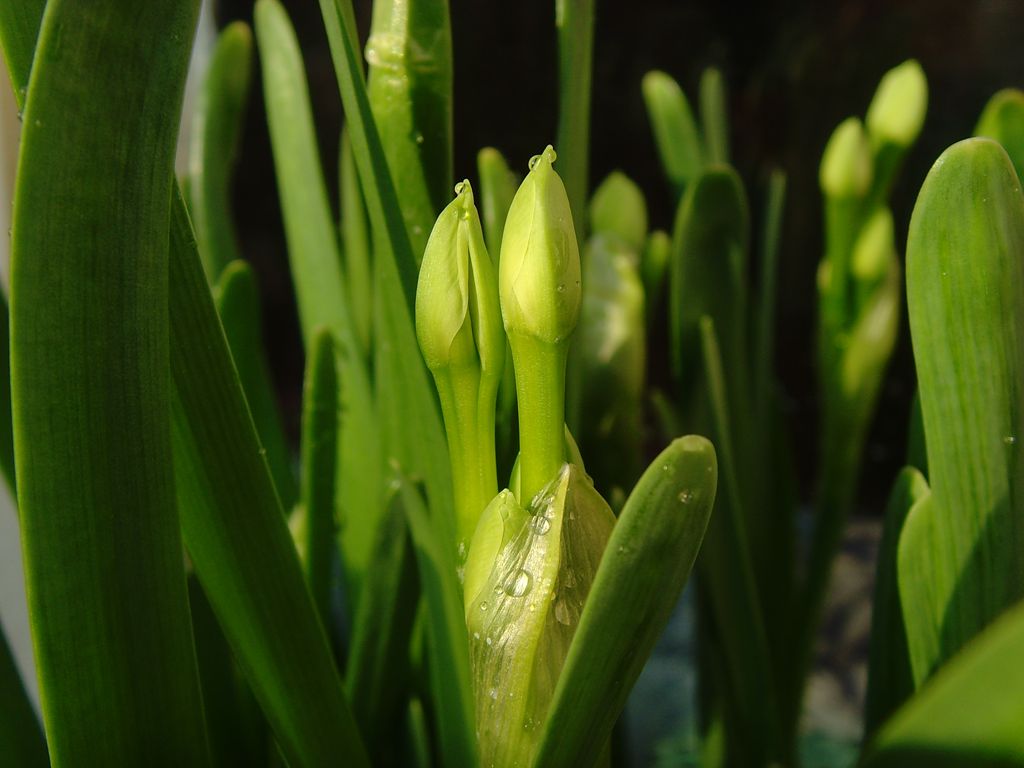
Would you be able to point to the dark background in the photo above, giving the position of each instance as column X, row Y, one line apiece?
column 795, row 69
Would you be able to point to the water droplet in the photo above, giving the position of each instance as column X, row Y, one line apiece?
column 561, row 288
column 493, row 694
column 569, row 578
column 483, row 606
column 460, row 186
column 685, row 496
column 1010, row 439
column 489, row 640
column 462, row 550
column 562, row 613
column 533, row 162
column 519, row 584
column 665, row 467
column 540, row 525
column 419, row 138
column 476, row 635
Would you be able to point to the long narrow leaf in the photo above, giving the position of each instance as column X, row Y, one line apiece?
column 645, row 565
column 357, row 249
column 409, row 85
column 675, row 130
column 89, row 360
column 19, row 28
column 236, row 534
column 316, row 268
column 216, row 130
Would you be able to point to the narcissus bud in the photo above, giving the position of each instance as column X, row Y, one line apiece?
column 539, row 280
column 618, row 208
column 458, row 324
column 528, row 576
column 846, row 163
column 898, row 108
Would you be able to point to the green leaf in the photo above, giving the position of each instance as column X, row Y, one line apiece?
column 238, row 304
column 890, row 681
column 319, row 457
column 574, row 20
column 21, row 738
column 236, row 533
column 1003, row 120
column 653, row 264
column 409, row 86
column 378, row 673
column 764, row 348
column 319, row 283
column 965, row 279
column 89, row 357
column 921, row 602
column 19, row 28
column 675, row 130
column 969, row 714
column 729, row 569
column 6, row 426
column 406, row 398
column 714, row 115
column 645, row 565
column 447, row 646
column 356, row 247
column 216, row 131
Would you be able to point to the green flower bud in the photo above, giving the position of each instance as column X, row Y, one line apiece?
column 1003, row 120
column 846, row 164
column 898, row 108
column 539, row 279
column 523, row 613
column 618, row 208
column 457, row 316
column 875, row 248
column 458, row 324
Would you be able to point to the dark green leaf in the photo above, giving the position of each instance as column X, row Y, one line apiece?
column 1003, row 120
column 675, row 130
column 89, row 357
column 714, row 115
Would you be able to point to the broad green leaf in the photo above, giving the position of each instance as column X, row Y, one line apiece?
column 409, row 85
column 965, row 293
column 238, row 304
column 21, row 738
column 357, row 249
column 235, row 531
column 103, row 565
column 714, row 115
column 729, row 569
column 675, row 130
column 574, row 20
column 378, row 674
column 216, row 130
column 406, row 398
column 1003, row 120
column 319, row 456
column 969, row 714
column 921, row 602
column 19, row 28
column 319, row 283
column 890, row 681
column 645, row 565
column 447, row 643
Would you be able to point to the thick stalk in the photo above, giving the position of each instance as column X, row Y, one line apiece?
column 540, row 384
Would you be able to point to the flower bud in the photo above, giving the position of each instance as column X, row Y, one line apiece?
column 457, row 316
column 897, row 110
column 846, row 163
column 618, row 208
column 539, row 280
column 523, row 613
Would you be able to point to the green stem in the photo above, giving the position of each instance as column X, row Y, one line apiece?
column 540, row 384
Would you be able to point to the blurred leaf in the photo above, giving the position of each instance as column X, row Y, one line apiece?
column 653, row 263
column 409, row 86
column 238, row 304
column 235, row 531
column 965, row 279
column 969, row 714
column 645, row 565
column 21, row 738
column 319, row 283
column 1003, row 120
column 6, row 426
column 764, row 349
column 890, row 681
column 19, row 28
column 675, row 130
column 916, row 450
column 920, row 600
column 96, row 493
column 357, row 249
column 216, row 132
column 714, row 115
